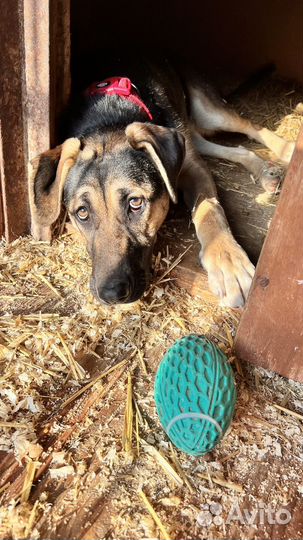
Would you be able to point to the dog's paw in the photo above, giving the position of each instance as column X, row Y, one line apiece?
column 271, row 176
column 230, row 271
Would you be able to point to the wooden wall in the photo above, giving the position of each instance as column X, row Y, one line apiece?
column 271, row 328
column 233, row 35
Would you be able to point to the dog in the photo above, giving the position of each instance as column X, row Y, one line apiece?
column 135, row 143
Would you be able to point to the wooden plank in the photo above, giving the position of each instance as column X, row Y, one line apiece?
column 189, row 275
column 37, row 76
column 35, row 47
column 60, row 58
column 1, row 213
column 12, row 127
column 271, row 329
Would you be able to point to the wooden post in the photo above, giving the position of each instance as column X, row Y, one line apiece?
column 271, row 328
column 60, row 58
column 13, row 151
column 35, row 53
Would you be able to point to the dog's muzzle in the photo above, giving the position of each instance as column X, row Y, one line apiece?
column 120, row 290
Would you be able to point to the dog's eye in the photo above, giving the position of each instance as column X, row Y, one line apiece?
column 136, row 204
column 82, row 213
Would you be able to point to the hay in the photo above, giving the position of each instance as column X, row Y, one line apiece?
column 274, row 105
column 45, row 344
column 222, row 482
column 128, row 421
column 164, row 464
column 154, row 515
column 28, row 480
column 292, row 413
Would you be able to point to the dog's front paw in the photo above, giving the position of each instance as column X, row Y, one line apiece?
column 230, row 271
column 271, row 176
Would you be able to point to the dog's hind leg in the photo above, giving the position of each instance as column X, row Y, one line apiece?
column 209, row 114
column 229, row 269
column 268, row 174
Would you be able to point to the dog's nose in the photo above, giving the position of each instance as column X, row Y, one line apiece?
column 116, row 292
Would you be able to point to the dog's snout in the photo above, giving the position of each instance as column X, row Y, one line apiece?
column 116, row 291
column 124, row 283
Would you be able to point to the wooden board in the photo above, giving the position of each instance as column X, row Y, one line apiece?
column 34, row 42
column 271, row 328
column 12, row 128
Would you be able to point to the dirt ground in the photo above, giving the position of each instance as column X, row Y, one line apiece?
column 65, row 369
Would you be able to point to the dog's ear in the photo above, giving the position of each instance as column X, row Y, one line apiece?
column 49, row 172
column 166, row 148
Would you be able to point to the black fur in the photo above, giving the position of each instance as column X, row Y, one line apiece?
column 159, row 87
column 45, row 177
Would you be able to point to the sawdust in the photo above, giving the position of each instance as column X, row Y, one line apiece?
column 251, row 466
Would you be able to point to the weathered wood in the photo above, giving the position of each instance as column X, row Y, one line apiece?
column 35, row 53
column 271, row 328
column 60, row 59
column 1, row 213
column 13, row 153
column 37, row 76
column 190, row 275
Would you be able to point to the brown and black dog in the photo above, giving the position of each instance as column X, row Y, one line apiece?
column 126, row 158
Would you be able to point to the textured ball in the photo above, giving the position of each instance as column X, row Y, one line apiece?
column 195, row 394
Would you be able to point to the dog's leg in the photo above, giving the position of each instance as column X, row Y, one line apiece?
column 229, row 270
column 268, row 174
column 211, row 115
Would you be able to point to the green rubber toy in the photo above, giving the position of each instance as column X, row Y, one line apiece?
column 195, row 394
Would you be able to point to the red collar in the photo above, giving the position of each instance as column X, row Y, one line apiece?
column 119, row 86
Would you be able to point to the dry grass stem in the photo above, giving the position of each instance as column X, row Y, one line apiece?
column 39, row 277
column 77, row 370
column 166, row 466
column 17, row 425
column 28, row 480
column 173, row 265
column 93, row 382
column 221, row 482
column 31, row 520
column 128, row 419
column 288, row 411
column 154, row 515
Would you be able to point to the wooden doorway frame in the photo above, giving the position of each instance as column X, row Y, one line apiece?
column 270, row 333
column 35, row 86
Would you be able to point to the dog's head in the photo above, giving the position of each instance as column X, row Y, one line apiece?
column 116, row 187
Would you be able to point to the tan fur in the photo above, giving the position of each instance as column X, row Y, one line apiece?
column 145, row 137
column 109, row 215
column 229, row 269
column 46, row 213
column 157, row 215
column 210, row 117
